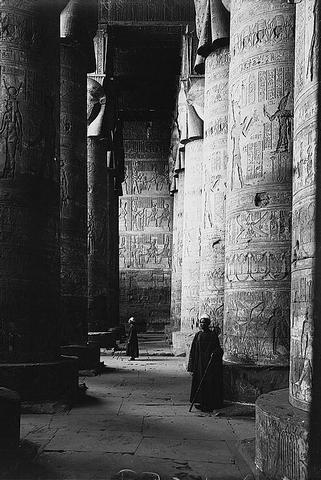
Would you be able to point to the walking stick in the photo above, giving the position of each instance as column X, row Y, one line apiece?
column 201, row 382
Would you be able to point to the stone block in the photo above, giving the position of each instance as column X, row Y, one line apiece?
column 281, row 437
column 103, row 339
column 9, row 419
column 88, row 355
column 42, row 381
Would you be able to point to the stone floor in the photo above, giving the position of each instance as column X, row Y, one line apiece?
column 134, row 416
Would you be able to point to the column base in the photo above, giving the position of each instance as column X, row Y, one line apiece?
column 36, row 382
column 181, row 343
column 88, row 355
column 10, row 407
column 281, row 437
column 102, row 339
column 245, row 383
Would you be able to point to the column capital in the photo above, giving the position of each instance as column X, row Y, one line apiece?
column 212, row 25
column 78, row 24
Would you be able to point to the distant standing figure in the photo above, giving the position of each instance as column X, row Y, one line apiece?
column 206, row 346
column 132, row 342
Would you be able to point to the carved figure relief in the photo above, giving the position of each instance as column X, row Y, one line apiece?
column 284, row 117
column 239, row 127
column 165, row 216
column 137, row 179
column 64, row 185
column 123, row 213
column 91, row 233
column 11, row 130
column 313, row 54
column 138, row 216
column 122, row 252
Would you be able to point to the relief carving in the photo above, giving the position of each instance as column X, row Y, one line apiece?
column 284, row 117
column 239, row 127
column 11, row 130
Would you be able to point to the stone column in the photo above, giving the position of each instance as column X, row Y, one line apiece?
column 73, row 183
column 188, row 162
column 304, row 201
column 258, row 223
column 76, row 52
column 29, row 202
column 191, row 242
column 97, row 208
column 115, row 174
column 294, row 429
column 102, row 289
column 177, row 190
column 212, row 263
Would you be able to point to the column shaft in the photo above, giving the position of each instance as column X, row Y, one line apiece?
column 176, row 285
column 212, row 262
column 29, row 203
column 73, row 152
column 191, row 239
column 257, row 287
column 29, row 183
column 97, row 236
column 304, row 202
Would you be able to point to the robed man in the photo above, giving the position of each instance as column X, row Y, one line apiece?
column 205, row 364
column 132, row 342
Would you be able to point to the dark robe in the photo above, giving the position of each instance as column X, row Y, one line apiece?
column 210, row 395
column 132, row 342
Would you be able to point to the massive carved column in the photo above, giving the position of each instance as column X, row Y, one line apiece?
column 115, row 175
column 77, row 24
column 189, row 159
column 191, row 240
column 294, row 430
column 104, row 177
column 212, row 24
column 29, row 201
column 304, row 202
column 193, row 152
column 258, row 230
column 73, row 171
column 214, row 186
column 97, row 209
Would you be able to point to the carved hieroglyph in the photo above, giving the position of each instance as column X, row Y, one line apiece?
column 177, row 252
column 304, row 198
column 145, row 224
column 258, row 236
column 212, row 263
column 191, row 236
column 29, row 181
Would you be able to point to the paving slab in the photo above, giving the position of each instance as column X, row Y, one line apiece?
column 215, row 451
column 197, row 428
column 112, row 423
column 86, row 440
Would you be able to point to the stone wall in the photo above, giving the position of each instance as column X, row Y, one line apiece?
column 145, row 216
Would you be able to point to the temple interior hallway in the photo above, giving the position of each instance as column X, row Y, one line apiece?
column 136, row 417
